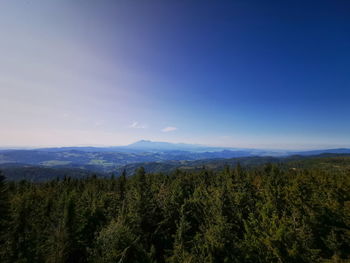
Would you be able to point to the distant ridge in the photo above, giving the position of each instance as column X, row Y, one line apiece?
column 324, row 151
column 156, row 146
column 167, row 146
column 108, row 159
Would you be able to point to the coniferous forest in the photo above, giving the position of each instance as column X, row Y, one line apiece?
column 270, row 213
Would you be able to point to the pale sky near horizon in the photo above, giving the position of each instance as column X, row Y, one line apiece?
column 230, row 73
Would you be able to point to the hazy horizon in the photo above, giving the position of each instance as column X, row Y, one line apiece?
column 245, row 74
column 262, row 147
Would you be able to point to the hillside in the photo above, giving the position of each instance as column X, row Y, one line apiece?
column 109, row 159
column 322, row 161
column 44, row 173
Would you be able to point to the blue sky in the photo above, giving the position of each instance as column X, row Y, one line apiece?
column 262, row 74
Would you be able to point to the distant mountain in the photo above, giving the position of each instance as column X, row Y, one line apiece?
column 219, row 152
column 316, row 152
column 104, row 160
column 142, row 146
column 147, row 145
column 108, row 159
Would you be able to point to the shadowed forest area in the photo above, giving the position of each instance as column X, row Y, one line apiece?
column 270, row 213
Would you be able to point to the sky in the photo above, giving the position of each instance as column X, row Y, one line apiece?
column 255, row 74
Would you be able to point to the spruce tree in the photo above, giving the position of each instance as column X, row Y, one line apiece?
column 4, row 215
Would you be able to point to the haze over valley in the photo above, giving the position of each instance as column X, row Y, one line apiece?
column 157, row 156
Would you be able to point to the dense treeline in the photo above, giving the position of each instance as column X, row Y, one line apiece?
column 266, row 214
column 41, row 174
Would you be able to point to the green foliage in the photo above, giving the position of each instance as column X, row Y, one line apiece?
column 4, row 215
column 117, row 243
column 271, row 213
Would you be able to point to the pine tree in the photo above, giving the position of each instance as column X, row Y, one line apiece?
column 65, row 248
column 122, row 185
column 20, row 238
column 4, row 215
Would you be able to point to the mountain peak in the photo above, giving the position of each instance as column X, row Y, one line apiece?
column 147, row 145
column 143, row 141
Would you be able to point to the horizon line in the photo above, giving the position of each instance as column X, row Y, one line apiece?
column 310, row 148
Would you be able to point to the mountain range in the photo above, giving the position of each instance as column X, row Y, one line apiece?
column 111, row 159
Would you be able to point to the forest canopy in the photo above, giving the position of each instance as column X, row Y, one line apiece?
column 270, row 213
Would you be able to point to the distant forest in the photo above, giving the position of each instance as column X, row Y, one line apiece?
column 266, row 213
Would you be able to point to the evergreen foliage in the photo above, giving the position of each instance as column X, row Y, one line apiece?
column 272, row 213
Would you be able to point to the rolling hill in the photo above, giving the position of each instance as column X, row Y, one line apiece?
column 155, row 156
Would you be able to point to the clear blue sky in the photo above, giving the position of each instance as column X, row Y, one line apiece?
column 272, row 74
